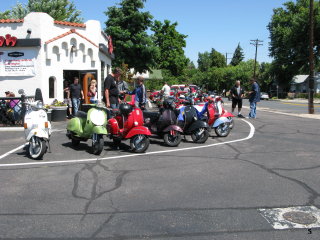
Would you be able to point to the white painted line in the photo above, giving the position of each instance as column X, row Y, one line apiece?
column 252, row 130
column 12, row 151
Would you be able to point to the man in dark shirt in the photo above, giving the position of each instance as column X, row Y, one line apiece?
column 76, row 94
column 254, row 98
column 237, row 95
column 111, row 92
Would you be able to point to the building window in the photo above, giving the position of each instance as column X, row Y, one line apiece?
column 52, row 87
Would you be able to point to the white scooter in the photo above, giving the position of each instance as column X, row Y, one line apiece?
column 37, row 129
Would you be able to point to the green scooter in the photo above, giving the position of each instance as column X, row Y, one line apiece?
column 91, row 125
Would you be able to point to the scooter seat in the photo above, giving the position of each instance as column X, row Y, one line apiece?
column 81, row 114
column 154, row 116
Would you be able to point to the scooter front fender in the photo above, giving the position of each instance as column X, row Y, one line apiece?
column 173, row 127
column 227, row 114
column 138, row 130
column 219, row 121
column 40, row 133
column 100, row 130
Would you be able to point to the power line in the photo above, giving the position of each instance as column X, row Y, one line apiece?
column 255, row 43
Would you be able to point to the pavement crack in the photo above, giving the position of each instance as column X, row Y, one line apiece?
column 94, row 193
column 313, row 193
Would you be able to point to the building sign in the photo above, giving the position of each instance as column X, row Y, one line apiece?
column 20, row 63
column 8, row 40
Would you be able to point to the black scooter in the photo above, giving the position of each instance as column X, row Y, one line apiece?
column 163, row 123
column 190, row 123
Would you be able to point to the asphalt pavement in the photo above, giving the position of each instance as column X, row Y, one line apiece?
column 238, row 187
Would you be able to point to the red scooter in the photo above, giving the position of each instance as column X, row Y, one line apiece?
column 128, row 124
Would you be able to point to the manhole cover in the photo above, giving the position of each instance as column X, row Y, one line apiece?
column 300, row 217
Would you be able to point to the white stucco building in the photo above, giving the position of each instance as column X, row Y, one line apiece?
column 39, row 52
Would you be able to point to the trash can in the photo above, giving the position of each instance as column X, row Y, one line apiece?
column 58, row 114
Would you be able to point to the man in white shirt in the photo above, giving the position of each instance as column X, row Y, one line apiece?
column 165, row 90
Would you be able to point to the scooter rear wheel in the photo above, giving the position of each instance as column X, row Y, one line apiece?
column 97, row 146
column 37, row 147
column 139, row 143
column 222, row 130
column 172, row 140
column 200, row 135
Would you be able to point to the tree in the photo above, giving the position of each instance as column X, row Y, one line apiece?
column 171, row 44
column 208, row 60
column 127, row 26
column 5, row 14
column 238, row 56
column 266, row 76
column 61, row 10
column 217, row 59
column 204, row 61
column 289, row 36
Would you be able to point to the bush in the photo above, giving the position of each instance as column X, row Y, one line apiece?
column 302, row 95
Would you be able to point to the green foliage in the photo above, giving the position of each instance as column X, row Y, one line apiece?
column 171, row 44
column 238, row 56
column 128, row 26
column 208, row 60
column 5, row 14
column 289, row 31
column 265, row 76
column 61, row 10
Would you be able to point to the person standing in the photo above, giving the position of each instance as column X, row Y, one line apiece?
column 123, row 89
column 76, row 94
column 140, row 98
column 254, row 97
column 92, row 91
column 66, row 99
column 111, row 92
column 165, row 90
column 237, row 94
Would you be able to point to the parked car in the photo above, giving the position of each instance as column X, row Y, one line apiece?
column 264, row 96
column 154, row 96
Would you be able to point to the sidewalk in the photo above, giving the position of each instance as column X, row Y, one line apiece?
column 297, row 100
column 55, row 125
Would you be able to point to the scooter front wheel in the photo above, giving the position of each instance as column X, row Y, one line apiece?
column 37, row 147
column 172, row 138
column 222, row 130
column 97, row 144
column 200, row 135
column 139, row 143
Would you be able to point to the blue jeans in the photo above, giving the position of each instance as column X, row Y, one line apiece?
column 114, row 105
column 75, row 105
column 253, row 110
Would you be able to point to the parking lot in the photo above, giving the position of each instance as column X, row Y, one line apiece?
column 216, row 190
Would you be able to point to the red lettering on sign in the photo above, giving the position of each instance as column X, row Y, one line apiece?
column 8, row 40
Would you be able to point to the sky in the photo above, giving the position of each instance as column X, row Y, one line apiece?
column 218, row 24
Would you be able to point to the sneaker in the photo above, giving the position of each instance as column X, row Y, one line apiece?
column 240, row 116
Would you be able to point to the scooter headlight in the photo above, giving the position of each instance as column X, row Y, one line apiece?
column 39, row 105
column 98, row 117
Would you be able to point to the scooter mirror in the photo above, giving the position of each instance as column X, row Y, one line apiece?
column 21, row 91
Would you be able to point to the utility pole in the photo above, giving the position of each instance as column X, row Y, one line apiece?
column 227, row 57
column 255, row 43
column 311, row 60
